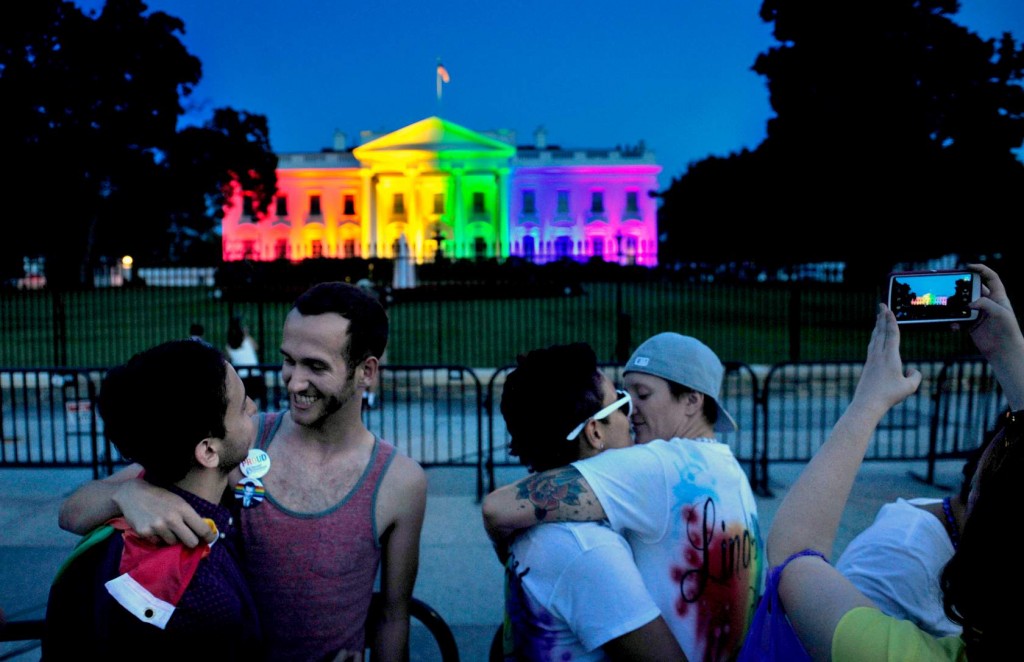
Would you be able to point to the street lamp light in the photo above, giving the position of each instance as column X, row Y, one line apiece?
column 126, row 268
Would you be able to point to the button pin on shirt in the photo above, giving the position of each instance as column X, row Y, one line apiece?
column 250, row 491
column 256, row 464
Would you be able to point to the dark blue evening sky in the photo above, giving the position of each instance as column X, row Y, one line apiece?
column 595, row 73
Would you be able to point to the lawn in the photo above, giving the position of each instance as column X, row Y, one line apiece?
column 748, row 323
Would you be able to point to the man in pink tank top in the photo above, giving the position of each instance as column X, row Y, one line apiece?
column 338, row 504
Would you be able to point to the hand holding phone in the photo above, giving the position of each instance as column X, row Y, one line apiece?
column 923, row 297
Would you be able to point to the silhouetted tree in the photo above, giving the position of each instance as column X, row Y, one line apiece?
column 89, row 118
column 232, row 148
column 893, row 124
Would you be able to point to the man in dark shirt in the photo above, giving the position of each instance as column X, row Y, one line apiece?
column 180, row 410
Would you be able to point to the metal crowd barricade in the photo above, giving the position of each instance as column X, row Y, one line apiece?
column 967, row 402
column 443, row 415
column 432, row 413
column 741, row 397
column 49, row 418
column 947, row 417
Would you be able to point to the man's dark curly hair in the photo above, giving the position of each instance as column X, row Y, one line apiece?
column 549, row 393
column 161, row 403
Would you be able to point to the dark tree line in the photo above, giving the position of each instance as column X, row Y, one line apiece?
column 892, row 141
column 97, row 166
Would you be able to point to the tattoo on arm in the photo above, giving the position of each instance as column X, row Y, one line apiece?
column 547, row 491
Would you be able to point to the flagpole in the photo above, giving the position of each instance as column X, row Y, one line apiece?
column 442, row 78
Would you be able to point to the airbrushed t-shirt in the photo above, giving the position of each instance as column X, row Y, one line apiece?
column 687, row 510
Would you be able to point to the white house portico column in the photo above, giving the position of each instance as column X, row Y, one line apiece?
column 413, row 221
column 369, row 213
column 459, row 217
column 501, row 196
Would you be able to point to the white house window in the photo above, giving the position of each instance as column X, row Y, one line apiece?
column 398, row 204
column 632, row 205
column 348, row 205
column 314, row 205
column 563, row 202
column 439, row 203
column 282, row 205
column 529, row 202
column 597, row 202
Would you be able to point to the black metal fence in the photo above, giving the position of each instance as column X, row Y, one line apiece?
column 957, row 402
column 479, row 315
column 447, row 415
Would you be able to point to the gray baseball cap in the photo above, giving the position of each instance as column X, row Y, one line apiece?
column 686, row 361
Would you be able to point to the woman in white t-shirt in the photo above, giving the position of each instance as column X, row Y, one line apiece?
column 241, row 350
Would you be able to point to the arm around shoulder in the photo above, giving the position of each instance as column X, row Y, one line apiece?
column 556, row 495
column 151, row 511
column 93, row 503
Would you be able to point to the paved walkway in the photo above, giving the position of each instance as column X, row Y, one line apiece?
column 459, row 574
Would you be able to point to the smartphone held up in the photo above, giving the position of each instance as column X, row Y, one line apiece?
column 930, row 297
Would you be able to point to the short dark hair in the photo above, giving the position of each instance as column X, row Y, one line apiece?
column 368, row 322
column 550, row 391
column 710, row 408
column 162, row 402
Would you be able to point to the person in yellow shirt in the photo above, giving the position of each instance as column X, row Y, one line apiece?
column 981, row 584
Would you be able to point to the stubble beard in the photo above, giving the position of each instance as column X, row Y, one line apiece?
column 229, row 464
column 331, row 405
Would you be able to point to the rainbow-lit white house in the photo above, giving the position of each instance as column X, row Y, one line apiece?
column 435, row 185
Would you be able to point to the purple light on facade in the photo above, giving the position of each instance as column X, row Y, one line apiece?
column 584, row 212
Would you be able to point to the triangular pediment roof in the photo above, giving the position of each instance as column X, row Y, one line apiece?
column 436, row 136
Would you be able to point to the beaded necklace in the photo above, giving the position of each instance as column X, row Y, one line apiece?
column 951, row 528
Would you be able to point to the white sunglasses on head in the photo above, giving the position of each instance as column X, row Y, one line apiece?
column 623, row 401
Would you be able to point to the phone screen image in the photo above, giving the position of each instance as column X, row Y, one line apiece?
column 932, row 297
